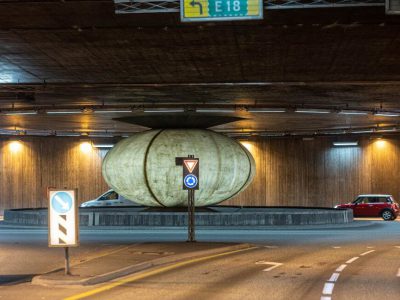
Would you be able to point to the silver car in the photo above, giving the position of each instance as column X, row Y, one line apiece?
column 109, row 198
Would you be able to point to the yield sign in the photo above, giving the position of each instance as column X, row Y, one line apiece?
column 190, row 164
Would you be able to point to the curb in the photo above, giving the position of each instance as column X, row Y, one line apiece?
column 42, row 280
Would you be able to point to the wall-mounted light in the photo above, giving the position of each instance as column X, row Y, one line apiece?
column 345, row 144
column 313, row 110
column 85, row 147
column 15, row 146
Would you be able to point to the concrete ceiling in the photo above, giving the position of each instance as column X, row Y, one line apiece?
column 80, row 54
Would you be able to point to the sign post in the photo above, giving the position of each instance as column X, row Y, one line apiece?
column 63, row 221
column 190, row 180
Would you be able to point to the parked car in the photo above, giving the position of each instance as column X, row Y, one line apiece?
column 109, row 198
column 372, row 205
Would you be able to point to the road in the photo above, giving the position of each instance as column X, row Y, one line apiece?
column 353, row 263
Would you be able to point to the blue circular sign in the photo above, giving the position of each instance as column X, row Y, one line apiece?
column 61, row 202
column 190, row 181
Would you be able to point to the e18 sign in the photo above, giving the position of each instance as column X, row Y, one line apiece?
column 228, row 8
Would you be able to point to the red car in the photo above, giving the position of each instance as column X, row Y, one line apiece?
column 373, row 206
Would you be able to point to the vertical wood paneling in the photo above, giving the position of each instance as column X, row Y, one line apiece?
column 289, row 171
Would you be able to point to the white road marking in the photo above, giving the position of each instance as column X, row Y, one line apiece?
column 352, row 260
column 368, row 252
column 336, row 247
column 328, row 288
column 397, row 247
column 326, row 298
column 271, row 247
column 334, row 277
column 398, row 273
column 370, row 247
column 274, row 265
column 341, row 268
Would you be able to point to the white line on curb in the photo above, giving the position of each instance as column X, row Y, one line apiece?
column 328, row 288
column 352, row 260
column 341, row 268
column 368, row 252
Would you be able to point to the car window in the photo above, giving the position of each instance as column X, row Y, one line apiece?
column 109, row 196
column 361, row 200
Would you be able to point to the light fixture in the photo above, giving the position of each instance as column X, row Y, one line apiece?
column 386, row 129
column 103, row 145
column 266, row 110
column 20, row 112
column 112, row 110
column 215, row 110
column 386, row 114
column 345, row 144
column 362, row 131
column 313, row 110
column 85, row 147
column 163, row 110
column 64, row 111
column 15, row 146
column 353, row 112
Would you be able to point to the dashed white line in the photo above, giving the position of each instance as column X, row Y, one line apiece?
column 328, row 288
column 368, row 252
column 326, row 298
column 398, row 273
column 334, row 277
column 352, row 260
column 341, row 268
column 336, row 247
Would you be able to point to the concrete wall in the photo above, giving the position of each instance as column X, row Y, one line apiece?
column 289, row 171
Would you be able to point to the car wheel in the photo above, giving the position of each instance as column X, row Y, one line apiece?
column 387, row 215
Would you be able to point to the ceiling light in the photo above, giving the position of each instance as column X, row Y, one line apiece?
column 68, row 134
column 112, row 110
column 353, row 112
column 20, row 112
column 266, row 110
column 387, row 114
column 215, row 110
column 102, row 145
column 64, row 111
column 163, row 110
column 386, row 129
column 313, row 110
column 363, row 131
column 345, row 144
column 101, row 135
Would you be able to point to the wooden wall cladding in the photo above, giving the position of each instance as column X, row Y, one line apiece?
column 289, row 172
column 48, row 162
column 314, row 173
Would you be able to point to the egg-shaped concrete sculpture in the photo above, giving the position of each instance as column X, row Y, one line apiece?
column 142, row 167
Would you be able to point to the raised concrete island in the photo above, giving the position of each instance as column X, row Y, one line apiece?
column 208, row 216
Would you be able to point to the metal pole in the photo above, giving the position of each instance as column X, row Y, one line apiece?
column 67, row 272
column 191, row 207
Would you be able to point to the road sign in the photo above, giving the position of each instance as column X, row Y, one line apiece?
column 220, row 10
column 63, row 222
column 190, row 173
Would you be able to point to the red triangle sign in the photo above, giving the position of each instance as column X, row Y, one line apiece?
column 190, row 165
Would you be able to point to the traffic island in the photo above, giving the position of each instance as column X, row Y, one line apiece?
column 212, row 216
column 133, row 259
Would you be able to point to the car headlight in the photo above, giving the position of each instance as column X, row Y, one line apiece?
column 336, row 206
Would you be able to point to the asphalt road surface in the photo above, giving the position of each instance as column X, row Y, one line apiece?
column 344, row 263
